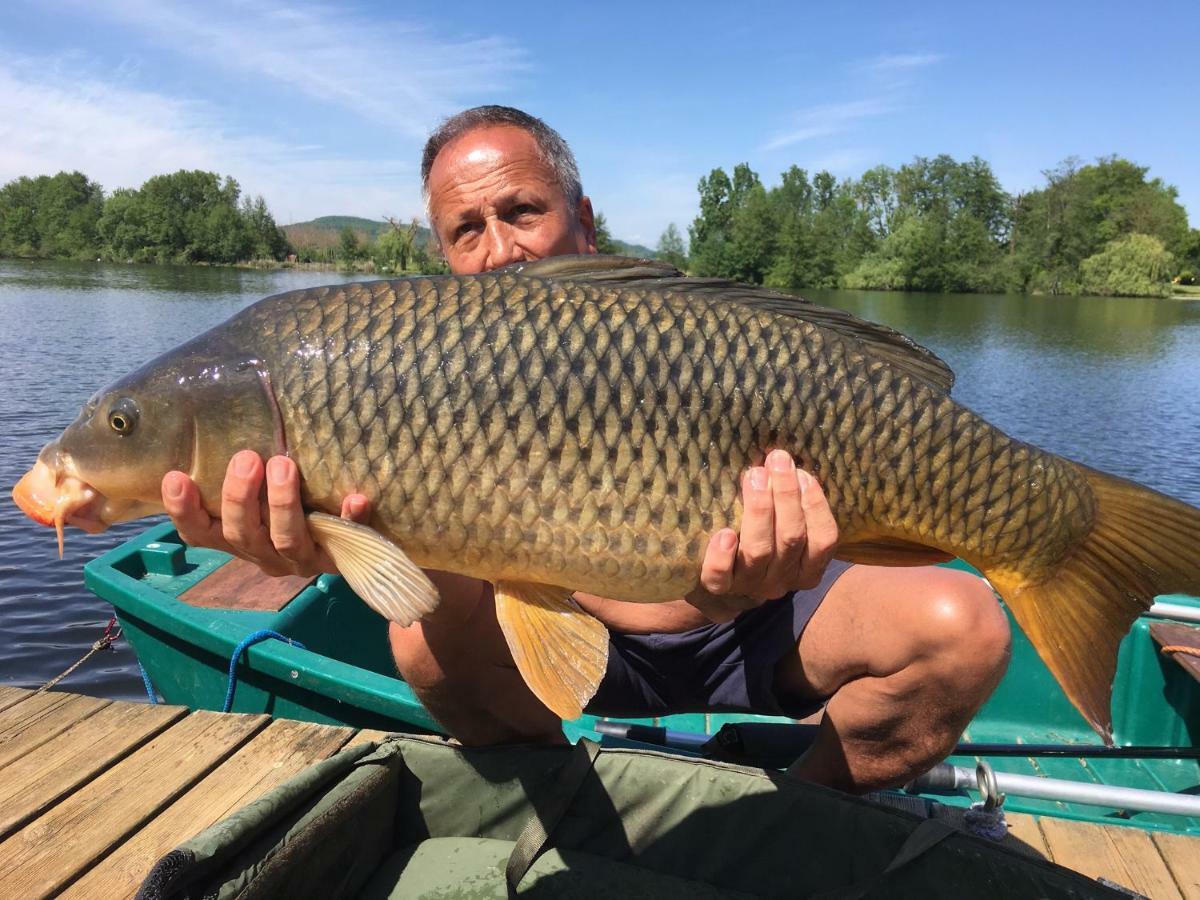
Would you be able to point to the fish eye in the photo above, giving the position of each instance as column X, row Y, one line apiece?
column 123, row 416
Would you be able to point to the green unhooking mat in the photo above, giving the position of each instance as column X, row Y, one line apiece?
column 416, row 817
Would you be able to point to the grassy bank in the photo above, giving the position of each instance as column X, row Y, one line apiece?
column 1190, row 291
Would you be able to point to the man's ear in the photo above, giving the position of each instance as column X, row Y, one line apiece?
column 587, row 221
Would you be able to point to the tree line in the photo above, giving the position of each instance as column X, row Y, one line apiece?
column 184, row 217
column 943, row 225
column 935, row 224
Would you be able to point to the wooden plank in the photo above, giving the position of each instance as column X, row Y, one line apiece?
column 242, row 585
column 11, row 696
column 1172, row 634
column 55, row 849
column 1124, row 855
column 1025, row 829
column 39, row 779
column 1182, row 856
column 272, row 756
column 39, row 718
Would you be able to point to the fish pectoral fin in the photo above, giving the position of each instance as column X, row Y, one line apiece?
column 878, row 550
column 379, row 571
column 560, row 650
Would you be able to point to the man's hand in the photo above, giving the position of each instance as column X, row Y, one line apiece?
column 788, row 537
column 274, row 534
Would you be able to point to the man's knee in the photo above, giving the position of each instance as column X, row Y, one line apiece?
column 963, row 632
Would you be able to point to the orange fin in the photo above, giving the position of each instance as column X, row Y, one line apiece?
column 1143, row 544
column 889, row 551
column 560, row 650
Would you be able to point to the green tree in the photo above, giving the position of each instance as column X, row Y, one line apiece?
column 709, row 232
column 671, row 249
column 267, row 239
column 50, row 216
column 348, row 248
column 604, row 238
column 1080, row 211
column 753, row 234
column 1137, row 265
column 394, row 248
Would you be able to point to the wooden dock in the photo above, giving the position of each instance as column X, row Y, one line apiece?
column 93, row 792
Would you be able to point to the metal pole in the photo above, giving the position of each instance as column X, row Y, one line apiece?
column 1036, row 787
column 1177, row 611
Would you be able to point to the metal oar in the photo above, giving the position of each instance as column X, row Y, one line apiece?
column 947, row 778
column 766, row 740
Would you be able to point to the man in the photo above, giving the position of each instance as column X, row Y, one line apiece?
column 901, row 659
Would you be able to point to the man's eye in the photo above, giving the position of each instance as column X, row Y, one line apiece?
column 524, row 209
column 464, row 229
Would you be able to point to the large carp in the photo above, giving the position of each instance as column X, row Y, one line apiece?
column 580, row 423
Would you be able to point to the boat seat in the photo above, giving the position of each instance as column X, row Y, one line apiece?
column 1176, row 640
column 474, row 867
column 242, row 585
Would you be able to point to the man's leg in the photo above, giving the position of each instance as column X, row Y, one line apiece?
column 907, row 657
column 459, row 666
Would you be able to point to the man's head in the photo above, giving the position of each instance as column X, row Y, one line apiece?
column 502, row 187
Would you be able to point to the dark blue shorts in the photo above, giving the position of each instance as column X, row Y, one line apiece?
column 715, row 668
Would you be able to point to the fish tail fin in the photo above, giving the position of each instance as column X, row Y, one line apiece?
column 1142, row 544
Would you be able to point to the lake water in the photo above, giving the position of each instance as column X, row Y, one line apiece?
column 1114, row 383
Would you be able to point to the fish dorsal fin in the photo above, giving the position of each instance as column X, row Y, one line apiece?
column 879, row 341
column 379, row 571
column 560, row 650
column 594, row 267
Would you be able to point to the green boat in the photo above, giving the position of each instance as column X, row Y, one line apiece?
column 323, row 656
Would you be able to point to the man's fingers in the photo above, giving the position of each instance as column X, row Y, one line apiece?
column 196, row 527
column 287, row 527
column 756, row 542
column 822, row 530
column 241, row 514
column 716, row 573
column 356, row 507
column 790, row 527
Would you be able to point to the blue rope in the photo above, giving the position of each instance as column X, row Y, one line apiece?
column 146, row 681
column 254, row 638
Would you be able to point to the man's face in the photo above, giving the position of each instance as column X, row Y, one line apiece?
column 494, row 201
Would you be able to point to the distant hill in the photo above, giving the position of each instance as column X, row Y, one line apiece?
column 624, row 248
column 325, row 231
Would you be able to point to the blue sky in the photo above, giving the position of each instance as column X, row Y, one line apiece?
column 322, row 108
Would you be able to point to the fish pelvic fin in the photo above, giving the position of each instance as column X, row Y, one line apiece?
column 1142, row 544
column 560, row 650
column 378, row 571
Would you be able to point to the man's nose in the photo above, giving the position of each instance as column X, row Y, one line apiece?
column 501, row 243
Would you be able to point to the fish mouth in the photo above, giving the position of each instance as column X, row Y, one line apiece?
column 53, row 497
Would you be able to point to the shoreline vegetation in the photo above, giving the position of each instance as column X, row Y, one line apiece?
column 934, row 225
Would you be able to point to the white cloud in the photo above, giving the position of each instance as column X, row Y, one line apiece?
column 54, row 116
column 830, row 119
column 396, row 75
column 899, row 62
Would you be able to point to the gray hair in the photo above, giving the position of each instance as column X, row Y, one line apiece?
column 554, row 150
